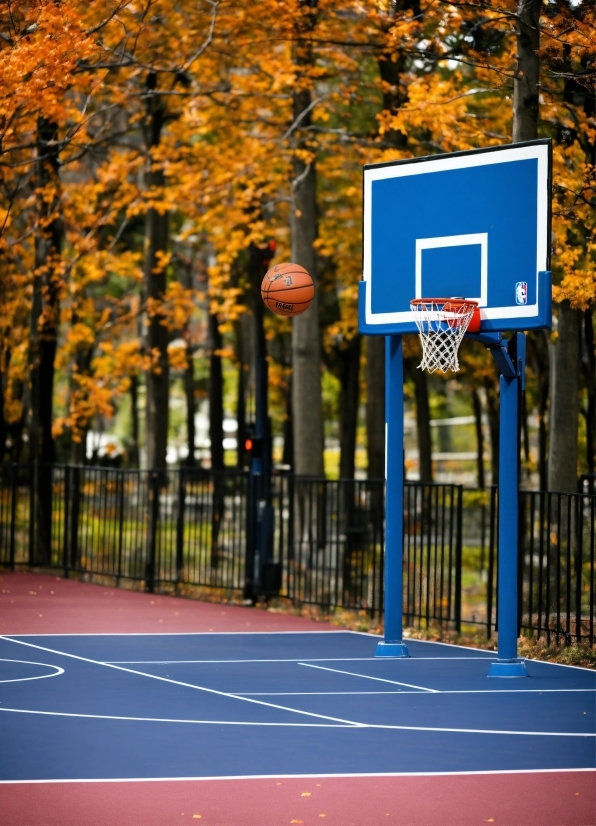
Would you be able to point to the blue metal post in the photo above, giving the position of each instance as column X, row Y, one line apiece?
column 508, row 664
column 393, row 645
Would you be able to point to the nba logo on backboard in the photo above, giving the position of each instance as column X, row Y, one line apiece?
column 521, row 292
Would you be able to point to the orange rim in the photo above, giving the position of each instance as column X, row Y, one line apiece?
column 466, row 301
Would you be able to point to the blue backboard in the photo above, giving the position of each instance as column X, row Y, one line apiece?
column 468, row 224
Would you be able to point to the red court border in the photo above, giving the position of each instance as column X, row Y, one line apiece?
column 533, row 799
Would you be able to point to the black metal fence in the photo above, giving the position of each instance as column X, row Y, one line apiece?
column 557, row 536
column 557, row 577
column 193, row 527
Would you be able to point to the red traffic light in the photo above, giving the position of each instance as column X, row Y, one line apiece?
column 248, row 444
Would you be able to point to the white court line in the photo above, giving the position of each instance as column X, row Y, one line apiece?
column 178, row 682
column 367, row 677
column 282, row 660
column 293, row 776
column 173, row 719
column 298, row 725
column 454, row 691
column 482, row 651
column 483, row 731
column 349, row 723
column 56, row 673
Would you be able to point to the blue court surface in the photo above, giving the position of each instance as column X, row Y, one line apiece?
column 270, row 704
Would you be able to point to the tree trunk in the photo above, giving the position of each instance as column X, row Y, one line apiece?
column 348, row 413
column 43, row 336
column 3, row 422
column 526, row 76
column 590, row 382
column 306, row 338
column 425, row 461
column 479, row 438
column 188, row 377
column 216, row 412
column 134, row 419
column 562, row 460
column 154, row 282
column 80, row 427
column 241, row 395
column 395, row 94
column 375, row 406
column 11, row 433
column 307, row 405
column 189, row 393
column 538, row 355
column 246, row 354
column 492, row 406
column 525, row 128
column 216, row 415
column 78, row 450
column 288, row 453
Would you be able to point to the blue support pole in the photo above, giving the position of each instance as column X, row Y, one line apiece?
column 392, row 644
column 508, row 664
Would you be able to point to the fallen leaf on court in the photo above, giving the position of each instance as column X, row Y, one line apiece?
column 490, row 820
column 197, row 816
column 296, row 821
column 577, row 794
column 33, row 593
column 322, row 815
column 305, row 794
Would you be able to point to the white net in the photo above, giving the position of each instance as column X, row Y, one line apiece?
column 442, row 324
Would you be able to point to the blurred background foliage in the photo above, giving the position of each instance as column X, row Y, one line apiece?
column 157, row 155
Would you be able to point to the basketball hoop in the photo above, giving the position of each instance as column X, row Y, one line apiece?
column 442, row 324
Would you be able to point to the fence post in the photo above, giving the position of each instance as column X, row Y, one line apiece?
column 180, row 527
column 13, row 511
column 75, row 509
column 32, row 485
column 579, row 519
column 153, row 527
column 65, row 542
column 521, row 535
column 249, row 553
column 122, row 478
column 458, row 559
column 291, row 534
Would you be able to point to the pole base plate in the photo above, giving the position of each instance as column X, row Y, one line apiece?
column 508, row 668
column 392, row 649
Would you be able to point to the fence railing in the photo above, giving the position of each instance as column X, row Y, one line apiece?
column 192, row 527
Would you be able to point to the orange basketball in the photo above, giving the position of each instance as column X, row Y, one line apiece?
column 287, row 289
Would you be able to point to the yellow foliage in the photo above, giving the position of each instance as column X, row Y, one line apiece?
column 223, row 170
